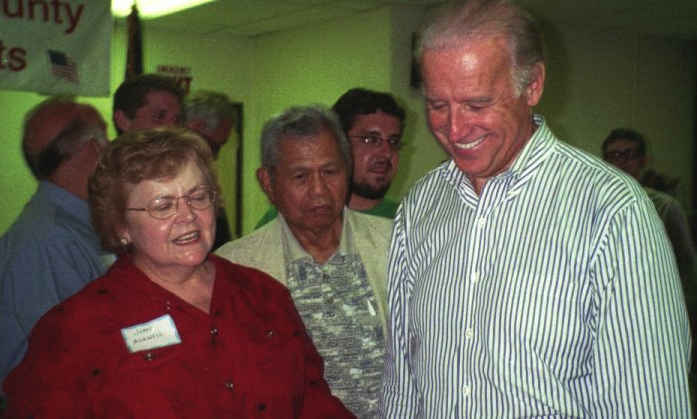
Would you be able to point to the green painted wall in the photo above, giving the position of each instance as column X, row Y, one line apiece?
column 596, row 80
column 315, row 64
column 227, row 72
column 422, row 152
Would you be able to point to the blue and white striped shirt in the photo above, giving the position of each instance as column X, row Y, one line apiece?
column 554, row 293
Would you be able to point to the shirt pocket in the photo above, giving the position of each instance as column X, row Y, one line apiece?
column 274, row 357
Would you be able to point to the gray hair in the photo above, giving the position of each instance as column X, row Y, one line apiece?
column 479, row 19
column 301, row 122
column 65, row 143
column 210, row 107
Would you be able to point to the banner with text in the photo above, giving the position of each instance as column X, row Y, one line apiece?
column 56, row 46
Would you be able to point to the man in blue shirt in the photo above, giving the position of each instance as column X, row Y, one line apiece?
column 51, row 251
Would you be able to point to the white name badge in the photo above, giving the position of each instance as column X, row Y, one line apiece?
column 150, row 335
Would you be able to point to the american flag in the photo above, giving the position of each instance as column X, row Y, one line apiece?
column 62, row 66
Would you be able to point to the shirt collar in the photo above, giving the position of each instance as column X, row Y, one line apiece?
column 64, row 199
column 293, row 250
column 530, row 157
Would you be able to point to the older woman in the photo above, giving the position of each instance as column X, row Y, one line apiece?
column 170, row 331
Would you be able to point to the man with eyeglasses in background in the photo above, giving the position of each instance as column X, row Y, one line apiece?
column 373, row 123
column 626, row 149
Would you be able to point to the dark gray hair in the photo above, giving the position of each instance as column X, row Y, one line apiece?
column 66, row 143
column 211, row 107
column 478, row 19
column 44, row 162
column 301, row 122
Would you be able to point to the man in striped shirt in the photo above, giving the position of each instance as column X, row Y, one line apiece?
column 526, row 278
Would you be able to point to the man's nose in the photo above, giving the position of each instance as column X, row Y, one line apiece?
column 384, row 148
column 458, row 123
column 185, row 213
column 318, row 184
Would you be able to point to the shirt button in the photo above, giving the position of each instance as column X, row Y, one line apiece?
column 214, row 331
column 269, row 333
column 148, row 356
column 481, row 222
column 469, row 333
column 466, row 390
column 475, row 277
column 229, row 385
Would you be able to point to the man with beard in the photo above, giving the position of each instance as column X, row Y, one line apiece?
column 373, row 122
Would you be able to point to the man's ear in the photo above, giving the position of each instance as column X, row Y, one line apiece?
column 122, row 121
column 534, row 89
column 264, row 178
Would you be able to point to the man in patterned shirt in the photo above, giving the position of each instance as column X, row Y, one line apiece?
column 331, row 258
column 526, row 278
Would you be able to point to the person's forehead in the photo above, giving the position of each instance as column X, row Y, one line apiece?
column 493, row 46
column 622, row 143
column 296, row 150
column 157, row 97
column 184, row 181
column 365, row 120
column 480, row 63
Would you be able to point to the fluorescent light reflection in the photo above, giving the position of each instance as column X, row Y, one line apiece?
column 149, row 9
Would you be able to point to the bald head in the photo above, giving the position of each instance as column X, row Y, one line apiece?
column 44, row 124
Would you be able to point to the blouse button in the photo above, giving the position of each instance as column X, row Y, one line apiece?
column 229, row 385
column 214, row 331
column 269, row 333
column 148, row 356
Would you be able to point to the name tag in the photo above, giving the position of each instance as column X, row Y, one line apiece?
column 156, row 333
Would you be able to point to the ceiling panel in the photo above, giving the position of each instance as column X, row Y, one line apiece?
column 676, row 18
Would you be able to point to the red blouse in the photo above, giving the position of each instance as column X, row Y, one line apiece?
column 250, row 357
